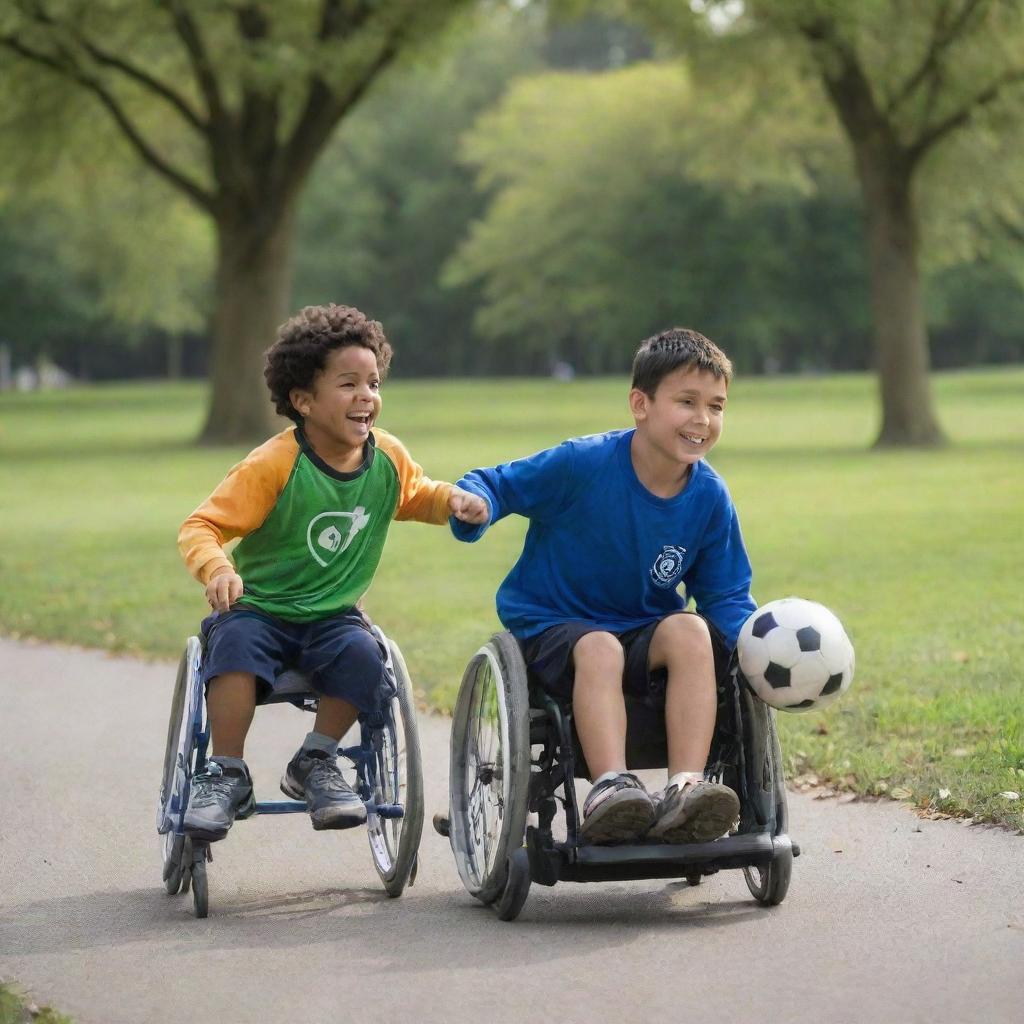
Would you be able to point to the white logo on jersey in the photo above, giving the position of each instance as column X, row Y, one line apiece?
column 330, row 539
column 668, row 566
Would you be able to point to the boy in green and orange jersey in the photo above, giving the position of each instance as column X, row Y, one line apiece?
column 312, row 506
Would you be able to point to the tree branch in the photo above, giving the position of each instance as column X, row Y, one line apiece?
column 963, row 114
column 68, row 69
column 847, row 86
column 323, row 110
column 945, row 32
column 143, row 78
column 188, row 32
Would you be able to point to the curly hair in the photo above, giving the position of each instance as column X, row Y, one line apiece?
column 664, row 353
column 304, row 342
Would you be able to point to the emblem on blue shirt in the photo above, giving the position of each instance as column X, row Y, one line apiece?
column 668, row 566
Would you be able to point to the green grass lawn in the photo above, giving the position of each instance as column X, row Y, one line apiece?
column 919, row 553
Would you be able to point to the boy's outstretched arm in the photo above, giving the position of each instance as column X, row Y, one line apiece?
column 536, row 487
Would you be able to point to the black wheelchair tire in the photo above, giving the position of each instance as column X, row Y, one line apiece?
column 172, row 847
column 200, row 887
column 769, row 884
column 401, row 867
column 497, row 667
column 517, row 886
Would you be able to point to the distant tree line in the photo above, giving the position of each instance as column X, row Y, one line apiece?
column 530, row 189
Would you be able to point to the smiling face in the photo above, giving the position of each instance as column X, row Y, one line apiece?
column 681, row 422
column 341, row 405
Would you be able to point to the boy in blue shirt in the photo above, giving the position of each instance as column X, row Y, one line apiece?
column 618, row 521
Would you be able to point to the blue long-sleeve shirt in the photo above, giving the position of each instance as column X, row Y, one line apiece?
column 602, row 548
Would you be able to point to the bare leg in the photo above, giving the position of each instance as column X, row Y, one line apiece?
column 334, row 716
column 682, row 645
column 599, row 707
column 230, row 704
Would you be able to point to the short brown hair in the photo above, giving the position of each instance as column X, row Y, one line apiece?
column 304, row 342
column 660, row 355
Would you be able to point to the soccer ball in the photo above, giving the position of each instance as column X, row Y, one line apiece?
column 795, row 655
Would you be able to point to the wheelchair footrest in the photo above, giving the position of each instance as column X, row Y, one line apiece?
column 611, row 863
column 279, row 806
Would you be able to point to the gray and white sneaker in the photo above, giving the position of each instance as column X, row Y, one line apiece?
column 616, row 810
column 219, row 793
column 314, row 776
column 700, row 812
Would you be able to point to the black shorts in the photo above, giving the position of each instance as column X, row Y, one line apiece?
column 340, row 654
column 549, row 662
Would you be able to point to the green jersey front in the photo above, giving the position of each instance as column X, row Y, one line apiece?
column 316, row 547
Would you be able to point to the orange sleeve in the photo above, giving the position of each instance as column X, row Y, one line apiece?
column 421, row 498
column 239, row 505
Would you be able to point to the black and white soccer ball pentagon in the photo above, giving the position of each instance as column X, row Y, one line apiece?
column 795, row 655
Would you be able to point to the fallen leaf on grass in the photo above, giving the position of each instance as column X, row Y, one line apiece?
column 821, row 729
column 961, row 752
column 1010, row 795
column 960, row 657
column 944, row 794
column 900, row 793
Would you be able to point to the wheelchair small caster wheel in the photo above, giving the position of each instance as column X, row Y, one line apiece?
column 200, row 886
column 442, row 824
column 200, row 890
column 694, row 878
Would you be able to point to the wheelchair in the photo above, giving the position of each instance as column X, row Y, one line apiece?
column 514, row 753
column 389, row 776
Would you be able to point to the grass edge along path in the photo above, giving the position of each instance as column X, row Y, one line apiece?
column 17, row 1008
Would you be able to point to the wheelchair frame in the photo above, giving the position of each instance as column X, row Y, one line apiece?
column 389, row 776
column 514, row 752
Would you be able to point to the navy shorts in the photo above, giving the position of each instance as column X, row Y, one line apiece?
column 341, row 656
column 548, row 657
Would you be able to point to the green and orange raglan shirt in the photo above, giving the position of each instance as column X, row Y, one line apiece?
column 312, row 537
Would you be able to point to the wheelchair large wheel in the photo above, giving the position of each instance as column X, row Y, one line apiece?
column 177, row 768
column 769, row 884
column 490, row 767
column 394, row 842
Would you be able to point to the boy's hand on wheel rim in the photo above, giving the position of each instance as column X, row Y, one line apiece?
column 223, row 590
column 470, row 508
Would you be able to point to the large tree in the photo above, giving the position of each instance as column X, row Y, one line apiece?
column 256, row 90
column 904, row 77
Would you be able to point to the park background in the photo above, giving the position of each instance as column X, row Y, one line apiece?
column 521, row 192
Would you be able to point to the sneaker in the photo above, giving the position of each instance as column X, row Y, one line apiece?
column 700, row 812
column 219, row 794
column 617, row 810
column 314, row 776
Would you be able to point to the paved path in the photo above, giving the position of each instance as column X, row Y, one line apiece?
column 888, row 918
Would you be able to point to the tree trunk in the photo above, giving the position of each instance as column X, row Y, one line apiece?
column 900, row 336
column 253, row 292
